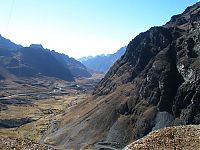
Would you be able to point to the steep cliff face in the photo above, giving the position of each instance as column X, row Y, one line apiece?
column 155, row 84
column 162, row 66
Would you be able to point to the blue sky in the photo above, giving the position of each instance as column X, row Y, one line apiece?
column 83, row 27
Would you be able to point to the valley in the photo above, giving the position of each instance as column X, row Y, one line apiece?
column 30, row 108
column 146, row 95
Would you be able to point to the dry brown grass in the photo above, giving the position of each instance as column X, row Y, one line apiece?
column 42, row 112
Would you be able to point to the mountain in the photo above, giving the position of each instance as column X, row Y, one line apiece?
column 42, row 61
column 36, row 46
column 5, row 59
column 102, row 63
column 18, row 61
column 30, row 62
column 5, row 43
column 76, row 68
column 155, row 84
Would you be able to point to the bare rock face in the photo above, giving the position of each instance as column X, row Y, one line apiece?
column 163, row 119
column 162, row 65
column 158, row 76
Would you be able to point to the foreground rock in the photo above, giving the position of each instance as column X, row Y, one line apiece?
column 18, row 144
column 180, row 137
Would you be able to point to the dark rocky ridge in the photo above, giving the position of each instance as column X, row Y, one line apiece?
column 162, row 66
column 17, row 61
column 31, row 62
column 35, row 62
column 155, row 84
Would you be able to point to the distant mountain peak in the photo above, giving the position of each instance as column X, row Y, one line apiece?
column 36, row 46
column 103, row 62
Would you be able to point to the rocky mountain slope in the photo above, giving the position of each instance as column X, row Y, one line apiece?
column 32, row 61
column 41, row 61
column 102, row 63
column 29, row 62
column 155, row 84
column 76, row 68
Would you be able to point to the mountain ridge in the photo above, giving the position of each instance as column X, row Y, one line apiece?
column 102, row 63
column 34, row 60
column 6, row 43
column 77, row 68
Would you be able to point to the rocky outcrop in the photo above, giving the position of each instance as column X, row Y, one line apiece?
column 163, row 119
column 162, row 66
column 181, row 137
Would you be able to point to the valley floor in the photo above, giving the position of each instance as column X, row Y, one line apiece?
column 31, row 108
